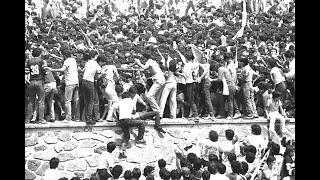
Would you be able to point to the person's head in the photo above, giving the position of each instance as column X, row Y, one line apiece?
column 136, row 173
column 229, row 134
column 127, row 175
column 111, row 146
column 133, row 91
column 162, row 163
column 250, row 157
column 213, row 158
column 66, row 53
column 75, row 178
column 116, row 171
column 109, row 60
column 103, row 173
column 101, row 59
column 244, row 61
column 270, row 160
column 212, row 168
column 191, row 157
column 164, row 174
column 175, row 174
column 289, row 54
column 148, row 170
column 205, row 175
column 244, row 167
column 256, row 129
column 213, row 136
column 221, row 168
column 185, row 172
column 197, row 164
column 36, row 52
column 232, row 157
column 54, row 162
column 274, row 148
column 236, row 167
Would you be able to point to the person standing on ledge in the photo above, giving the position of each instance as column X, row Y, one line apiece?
column 158, row 82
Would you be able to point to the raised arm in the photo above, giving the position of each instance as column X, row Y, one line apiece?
column 182, row 57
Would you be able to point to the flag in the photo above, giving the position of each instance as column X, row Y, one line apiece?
column 243, row 22
column 136, row 40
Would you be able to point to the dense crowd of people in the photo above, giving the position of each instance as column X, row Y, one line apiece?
column 213, row 159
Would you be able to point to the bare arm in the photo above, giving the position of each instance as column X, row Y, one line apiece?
column 182, row 57
column 140, row 64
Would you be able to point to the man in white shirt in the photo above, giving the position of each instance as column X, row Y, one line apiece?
column 91, row 69
column 70, row 70
column 106, row 160
column 256, row 139
column 52, row 173
column 158, row 83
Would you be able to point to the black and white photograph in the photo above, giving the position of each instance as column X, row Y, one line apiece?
column 159, row 90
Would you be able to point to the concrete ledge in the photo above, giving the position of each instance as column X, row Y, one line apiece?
column 166, row 122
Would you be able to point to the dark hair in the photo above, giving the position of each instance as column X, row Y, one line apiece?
column 244, row 60
column 111, row 146
column 36, row 52
column 162, row 163
column 244, row 167
column 103, row 173
column 270, row 159
column 229, row 134
column 175, row 174
column 274, row 148
column 127, row 175
column 136, row 173
column 205, row 175
column 250, row 157
column 119, row 89
column 213, row 157
column 75, row 178
column 197, row 164
column 116, row 171
column 213, row 136
column 66, row 52
column 164, row 174
column 133, row 89
column 125, row 95
column 54, row 163
column 289, row 54
column 276, row 94
column 191, row 157
column 101, row 58
column 236, row 167
column 221, row 168
column 147, row 170
column 232, row 157
column 212, row 168
column 256, row 129
column 251, row 148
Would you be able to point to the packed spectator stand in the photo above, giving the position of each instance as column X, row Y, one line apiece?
column 225, row 60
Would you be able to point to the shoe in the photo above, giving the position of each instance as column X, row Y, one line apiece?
column 42, row 122
column 250, row 116
column 65, row 121
column 91, row 122
column 52, row 120
column 99, row 120
column 229, row 118
column 122, row 155
column 236, row 116
column 256, row 116
column 141, row 141
column 159, row 129
column 76, row 120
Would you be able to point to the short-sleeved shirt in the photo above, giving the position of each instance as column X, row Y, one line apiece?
column 90, row 70
column 191, row 70
column 36, row 68
column 126, row 106
column 106, row 160
column 155, row 70
column 71, row 71
column 278, row 77
column 233, row 70
column 273, row 106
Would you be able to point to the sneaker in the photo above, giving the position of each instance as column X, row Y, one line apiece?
column 141, row 141
column 236, row 116
column 229, row 118
column 256, row 116
column 99, row 120
column 220, row 117
column 65, row 121
column 42, row 122
column 159, row 129
column 250, row 116
column 76, row 120
column 52, row 120
column 122, row 155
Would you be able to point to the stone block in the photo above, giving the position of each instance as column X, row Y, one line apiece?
column 27, row 135
column 45, row 155
column 89, row 144
column 58, row 147
column 92, row 160
column 83, row 152
column 98, row 137
column 64, row 136
column 79, row 174
column 42, row 170
column 40, row 148
column 50, row 138
column 80, row 136
column 77, row 165
column 71, row 145
column 100, row 149
column 107, row 133
column 31, row 141
column 33, row 164
column 61, row 166
column 29, row 175
column 66, row 157
column 67, row 174
column 176, row 134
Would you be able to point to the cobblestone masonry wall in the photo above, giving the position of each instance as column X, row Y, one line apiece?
column 79, row 151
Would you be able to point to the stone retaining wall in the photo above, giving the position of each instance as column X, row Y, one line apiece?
column 79, row 149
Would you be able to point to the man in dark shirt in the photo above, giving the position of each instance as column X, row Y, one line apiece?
column 36, row 88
